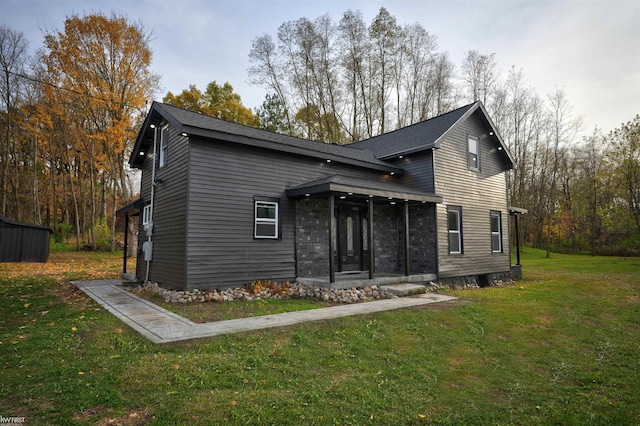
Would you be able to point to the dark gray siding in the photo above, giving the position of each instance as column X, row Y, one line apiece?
column 224, row 179
column 418, row 170
column 169, row 214
column 477, row 193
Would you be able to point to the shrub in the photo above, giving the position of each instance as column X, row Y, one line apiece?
column 61, row 232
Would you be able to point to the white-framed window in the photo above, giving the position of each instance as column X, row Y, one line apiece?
column 164, row 135
column 496, row 232
column 146, row 214
column 454, row 224
column 266, row 219
column 473, row 153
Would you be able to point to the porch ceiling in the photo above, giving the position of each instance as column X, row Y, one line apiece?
column 338, row 184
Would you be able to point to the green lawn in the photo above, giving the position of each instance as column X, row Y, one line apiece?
column 562, row 346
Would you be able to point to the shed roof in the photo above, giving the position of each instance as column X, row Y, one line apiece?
column 25, row 225
column 361, row 187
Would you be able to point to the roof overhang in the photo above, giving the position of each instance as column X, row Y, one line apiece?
column 517, row 210
column 259, row 143
column 145, row 141
column 360, row 188
column 131, row 209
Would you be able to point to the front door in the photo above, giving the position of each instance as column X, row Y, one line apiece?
column 349, row 238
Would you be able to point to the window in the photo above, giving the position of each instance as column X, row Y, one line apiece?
column 163, row 146
column 474, row 158
column 146, row 214
column 266, row 219
column 454, row 216
column 496, row 232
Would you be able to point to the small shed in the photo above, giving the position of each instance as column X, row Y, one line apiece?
column 23, row 242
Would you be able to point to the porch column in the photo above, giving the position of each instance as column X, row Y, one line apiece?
column 406, row 239
column 126, row 242
column 332, row 227
column 517, row 241
column 372, row 257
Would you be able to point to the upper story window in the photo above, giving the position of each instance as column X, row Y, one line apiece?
column 164, row 135
column 454, row 221
column 474, row 153
column 496, row 232
column 266, row 219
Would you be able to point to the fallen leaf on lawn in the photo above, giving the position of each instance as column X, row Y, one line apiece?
column 26, row 305
column 81, row 372
column 175, row 366
column 422, row 416
column 74, row 329
column 232, row 403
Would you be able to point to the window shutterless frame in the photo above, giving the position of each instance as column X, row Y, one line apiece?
column 454, row 229
column 473, row 153
column 266, row 219
column 496, row 232
column 164, row 136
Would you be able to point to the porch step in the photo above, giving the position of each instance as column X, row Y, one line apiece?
column 405, row 289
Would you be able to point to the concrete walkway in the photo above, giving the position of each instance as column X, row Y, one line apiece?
column 161, row 326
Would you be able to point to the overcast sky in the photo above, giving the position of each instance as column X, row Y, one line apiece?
column 591, row 48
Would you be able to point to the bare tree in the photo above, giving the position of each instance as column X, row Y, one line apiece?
column 479, row 73
column 13, row 56
column 383, row 32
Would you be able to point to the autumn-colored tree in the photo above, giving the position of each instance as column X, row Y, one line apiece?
column 100, row 66
column 217, row 101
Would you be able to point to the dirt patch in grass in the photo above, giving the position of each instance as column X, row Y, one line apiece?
column 132, row 418
column 71, row 296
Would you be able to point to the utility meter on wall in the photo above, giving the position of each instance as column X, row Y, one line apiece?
column 148, row 227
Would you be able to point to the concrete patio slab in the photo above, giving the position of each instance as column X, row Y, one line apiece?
column 161, row 326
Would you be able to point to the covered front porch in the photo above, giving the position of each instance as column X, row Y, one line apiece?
column 353, row 232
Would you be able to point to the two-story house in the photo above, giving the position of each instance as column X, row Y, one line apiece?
column 224, row 204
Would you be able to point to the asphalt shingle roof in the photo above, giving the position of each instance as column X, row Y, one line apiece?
column 200, row 121
column 421, row 135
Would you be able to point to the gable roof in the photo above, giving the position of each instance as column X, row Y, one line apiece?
column 195, row 124
column 428, row 134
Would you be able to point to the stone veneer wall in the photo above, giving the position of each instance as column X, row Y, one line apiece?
column 385, row 237
column 312, row 237
column 473, row 281
column 422, row 239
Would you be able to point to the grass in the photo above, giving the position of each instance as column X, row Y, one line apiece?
column 215, row 311
column 560, row 347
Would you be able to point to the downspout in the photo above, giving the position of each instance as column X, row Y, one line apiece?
column 153, row 186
